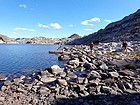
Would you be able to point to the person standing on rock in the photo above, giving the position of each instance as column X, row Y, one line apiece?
column 91, row 46
column 124, row 46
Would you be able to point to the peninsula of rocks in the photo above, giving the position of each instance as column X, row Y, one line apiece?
column 107, row 76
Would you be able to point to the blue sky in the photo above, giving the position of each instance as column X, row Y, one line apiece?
column 60, row 18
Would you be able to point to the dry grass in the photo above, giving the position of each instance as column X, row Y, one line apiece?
column 135, row 55
column 117, row 55
column 114, row 55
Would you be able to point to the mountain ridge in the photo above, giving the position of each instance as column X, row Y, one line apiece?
column 126, row 29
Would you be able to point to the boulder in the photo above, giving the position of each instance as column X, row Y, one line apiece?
column 48, row 79
column 7, row 83
column 121, row 85
column 44, row 91
column 74, row 62
column 103, row 66
column 95, row 74
column 114, row 74
column 62, row 74
column 106, row 89
column 62, row 82
column 90, row 66
column 63, row 57
column 71, row 75
column 126, row 73
column 55, row 69
column 80, row 80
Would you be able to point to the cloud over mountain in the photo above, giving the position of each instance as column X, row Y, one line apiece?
column 24, row 29
column 90, row 21
column 108, row 21
column 52, row 25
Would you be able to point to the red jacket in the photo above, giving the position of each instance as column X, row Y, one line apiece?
column 91, row 44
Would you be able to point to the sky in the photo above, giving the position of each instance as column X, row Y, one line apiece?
column 60, row 18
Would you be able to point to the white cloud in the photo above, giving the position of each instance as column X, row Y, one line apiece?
column 14, row 32
column 95, row 19
column 43, row 26
column 52, row 25
column 24, row 29
column 108, row 21
column 71, row 25
column 88, row 29
column 23, row 6
column 44, row 33
column 55, row 25
column 84, row 22
column 89, row 22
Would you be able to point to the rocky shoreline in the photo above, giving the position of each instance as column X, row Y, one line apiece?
column 107, row 76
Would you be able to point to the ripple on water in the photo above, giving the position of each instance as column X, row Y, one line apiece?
column 18, row 57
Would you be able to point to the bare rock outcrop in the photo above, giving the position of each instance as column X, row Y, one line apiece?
column 126, row 29
column 5, row 39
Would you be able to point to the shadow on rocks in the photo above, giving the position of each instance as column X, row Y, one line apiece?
column 129, row 99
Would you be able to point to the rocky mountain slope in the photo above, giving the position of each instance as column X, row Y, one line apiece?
column 75, row 36
column 5, row 39
column 126, row 29
column 45, row 40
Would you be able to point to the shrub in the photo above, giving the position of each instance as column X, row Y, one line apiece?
column 130, row 66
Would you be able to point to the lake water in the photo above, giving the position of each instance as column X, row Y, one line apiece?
column 18, row 57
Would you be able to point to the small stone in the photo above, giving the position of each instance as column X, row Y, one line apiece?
column 114, row 74
column 103, row 66
column 60, row 96
column 17, row 80
column 3, row 88
column 62, row 82
column 95, row 74
column 93, row 83
column 106, row 89
column 89, row 66
column 7, row 83
column 82, row 87
column 21, row 90
column 22, row 77
column 48, row 79
column 2, row 98
column 126, row 73
column 80, row 80
column 44, row 90
column 63, row 57
column 62, row 74
column 74, row 62
column 129, row 91
column 71, row 75
column 43, row 73
column 98, row 89
column 127, row 85
column 121, row 85
column 85, row 81
column 104, row 75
